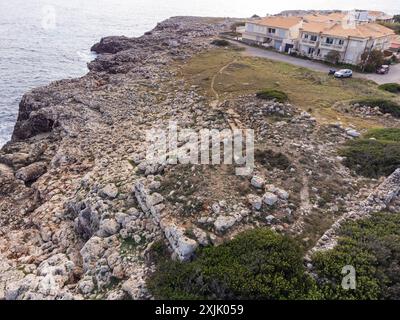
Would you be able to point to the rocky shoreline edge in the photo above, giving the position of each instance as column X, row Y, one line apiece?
column 80, row 209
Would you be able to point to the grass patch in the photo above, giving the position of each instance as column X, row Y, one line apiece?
column 384, row 105
column 129, row 245
column 374, row 158
column 257, row 264
column 304, row 87
column 390, row 87
column 372, row 247
column 387, row 134
column 272, row 94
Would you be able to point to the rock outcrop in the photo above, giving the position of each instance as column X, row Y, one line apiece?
column 81, row 206
column 68, row 217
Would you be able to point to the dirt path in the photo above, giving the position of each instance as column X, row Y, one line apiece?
column 233, row 119
column 217, row 102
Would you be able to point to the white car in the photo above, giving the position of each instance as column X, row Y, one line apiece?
column 344, row 73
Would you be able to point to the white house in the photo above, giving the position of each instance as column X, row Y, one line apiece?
column 317, row 39
column 280, row 33
column 379, row 16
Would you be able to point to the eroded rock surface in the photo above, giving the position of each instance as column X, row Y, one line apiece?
column 68, row 217
column 81, row 206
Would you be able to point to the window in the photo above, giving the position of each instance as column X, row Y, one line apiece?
column 341, row 42
column 314, row 38
column 329, row 40
column 306, row 36
column 271, row 30
column 311, row 50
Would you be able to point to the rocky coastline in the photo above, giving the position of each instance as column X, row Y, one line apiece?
column 80, row 208
column 66, row 175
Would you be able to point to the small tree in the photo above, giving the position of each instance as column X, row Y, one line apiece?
column 372, row 60
column 333, row 56
column 235, row 25
column 397, row 18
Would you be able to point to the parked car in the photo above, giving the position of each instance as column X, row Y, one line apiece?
column 383, row 69
column 344, row 73
column 332, row 72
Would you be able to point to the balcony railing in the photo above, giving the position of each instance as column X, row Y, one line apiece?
column 338, row 47
column 307, row 41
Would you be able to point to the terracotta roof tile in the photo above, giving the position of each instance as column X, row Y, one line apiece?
column 344, row 30
column 278, row 22
column 339, row 16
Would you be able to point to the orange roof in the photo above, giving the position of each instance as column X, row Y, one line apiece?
column 344, row 30
column 337, row 16
column 375, row 13
column 278, row 22
column 396, row 40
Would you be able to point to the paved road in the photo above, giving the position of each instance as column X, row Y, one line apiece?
column 393, row 76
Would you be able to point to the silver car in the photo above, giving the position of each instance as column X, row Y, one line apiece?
column 344, row 73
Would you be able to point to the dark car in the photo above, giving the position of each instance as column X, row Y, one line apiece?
column 383, row 69
column 332, row 72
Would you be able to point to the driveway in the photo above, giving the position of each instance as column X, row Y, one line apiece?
column 392, row 76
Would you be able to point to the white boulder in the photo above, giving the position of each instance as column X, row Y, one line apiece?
column 270, row 199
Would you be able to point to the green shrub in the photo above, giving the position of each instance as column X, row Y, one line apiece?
column 272, row 159
column 387, row 134
column 236, row 25
column 333, row 56
column 394, row 26
column 370, row 61
column 257, row 264
column 385, row 106
column 372, row 247
column 372, row 158
column 270, row 94
column 220, row 43
column 391, row 87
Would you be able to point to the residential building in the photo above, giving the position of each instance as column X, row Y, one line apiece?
column 278, row 32
column 326, row 18
column 318, row 39
column 348, row 34
column 379, row 16
column 395, row 46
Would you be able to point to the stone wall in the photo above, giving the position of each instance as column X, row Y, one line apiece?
column 377, row 201
column 152, row 204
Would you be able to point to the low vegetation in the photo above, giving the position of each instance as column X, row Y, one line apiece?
column 395, row 26
column 220, row 43
column 376, row 154
column 304, row 87
column 390, row 87
column 387, row 134
column 271, row 159
column 372, row 247
column 272, row 94
column 257, row 264
column 333, row 56
column 372, row 60
column 384, row 105
column 262, row 264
